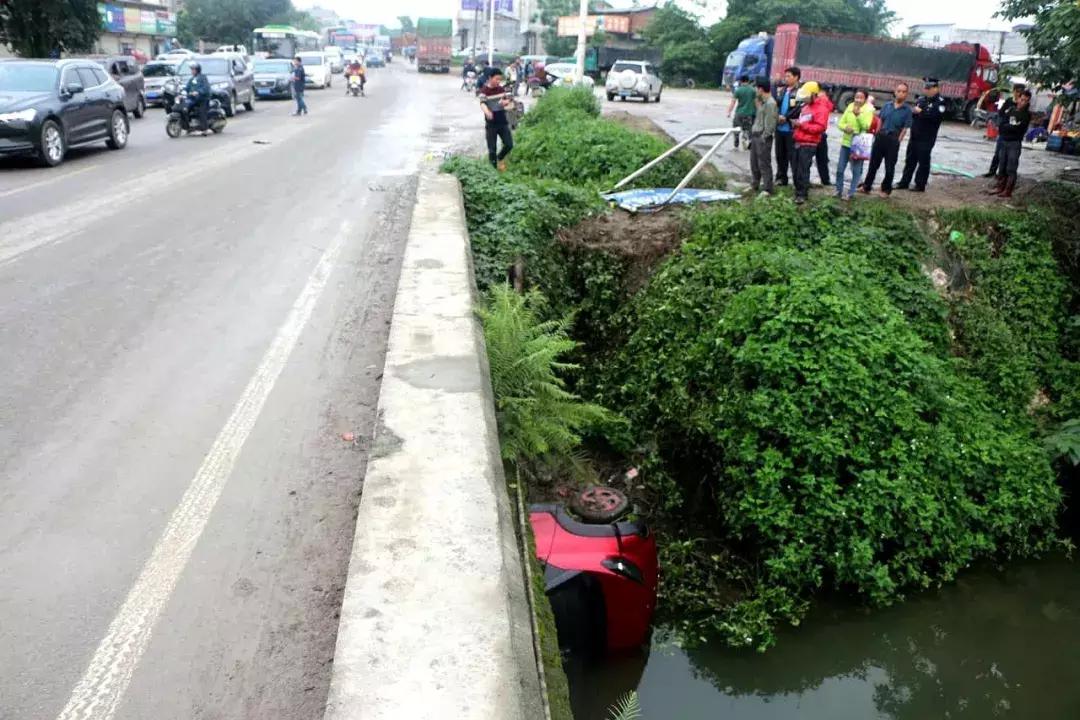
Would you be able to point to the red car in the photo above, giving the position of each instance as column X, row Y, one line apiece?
column 601, row 575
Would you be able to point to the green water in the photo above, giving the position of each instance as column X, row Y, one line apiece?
column 992, row 645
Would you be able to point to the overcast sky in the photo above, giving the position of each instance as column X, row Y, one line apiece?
column 967, row 13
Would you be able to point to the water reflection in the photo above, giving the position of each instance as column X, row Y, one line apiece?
column 991, row 645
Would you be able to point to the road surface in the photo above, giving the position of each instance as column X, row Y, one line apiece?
column 193, row 333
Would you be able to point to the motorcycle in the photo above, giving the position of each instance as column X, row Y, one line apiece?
column 470, row 82
column 181, row 117
column 356, row 85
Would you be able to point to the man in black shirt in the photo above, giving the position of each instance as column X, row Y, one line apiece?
column 493, row 101
column 1005, row 105
column 1014, row 125
column 926, row 119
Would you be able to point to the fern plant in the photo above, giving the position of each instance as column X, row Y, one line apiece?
column 627, row 708
column 1065, row 443
column 536, row 414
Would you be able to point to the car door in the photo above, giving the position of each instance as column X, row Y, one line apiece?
column 651, row 79
column 75, row 111
column 132, row 82
column 244, row 80
column 99, row 104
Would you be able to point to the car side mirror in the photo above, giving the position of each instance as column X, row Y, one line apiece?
column 72, row 89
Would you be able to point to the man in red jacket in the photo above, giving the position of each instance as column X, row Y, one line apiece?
column 810, row 125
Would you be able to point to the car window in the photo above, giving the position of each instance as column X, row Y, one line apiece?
column 100, row 76
column 27, row 77
column 622, row 66
column 87, row 78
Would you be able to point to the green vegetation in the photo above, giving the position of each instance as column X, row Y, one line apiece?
column 36, row 28
column 231, row 21
column 1053, row 38
column 535, row 412
column 627, row 708
column 837, row 399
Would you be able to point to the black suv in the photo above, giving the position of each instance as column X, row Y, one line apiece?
column 48, row 106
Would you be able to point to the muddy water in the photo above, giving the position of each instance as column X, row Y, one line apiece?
column 993, row 645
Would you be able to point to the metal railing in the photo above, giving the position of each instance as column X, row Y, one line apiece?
column 722, row 132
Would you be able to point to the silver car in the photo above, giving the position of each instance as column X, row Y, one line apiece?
column 155, row 74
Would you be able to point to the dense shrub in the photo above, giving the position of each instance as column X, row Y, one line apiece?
column 510, row 219
column 782, row 364
column 563, row 138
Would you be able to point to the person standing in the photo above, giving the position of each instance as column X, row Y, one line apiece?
column 821, row 157
column 198, row 93
column 742, row 103
column 298, row 79
column 761, row 138
column 895, row 121
column 785, row 137
column 812, row 121
column 926, row 119
column 493, row 101
column 857, row 118
column 1009, row 102
column 1014, row 125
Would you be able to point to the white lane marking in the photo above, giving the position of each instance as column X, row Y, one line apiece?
column 98, row 694
column 47, row 181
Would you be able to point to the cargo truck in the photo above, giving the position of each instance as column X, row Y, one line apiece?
column 843, row 63
column 434, row 39
column 752, row 58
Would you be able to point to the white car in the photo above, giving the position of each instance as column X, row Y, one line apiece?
column 175, row 55
column 337, row 58
column 633, row 78
column 317, row 71
column 565, row 74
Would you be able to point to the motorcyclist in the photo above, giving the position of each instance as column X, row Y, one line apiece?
column 469, row 67
column 356, row 68
column 198, row 96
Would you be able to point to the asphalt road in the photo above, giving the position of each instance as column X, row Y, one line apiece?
column 189, row 328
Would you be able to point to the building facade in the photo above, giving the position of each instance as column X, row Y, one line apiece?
column 998, row 42
column 142, row 28
column 516, row 30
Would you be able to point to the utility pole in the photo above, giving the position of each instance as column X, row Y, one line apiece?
column 491, row 34
column 475, row 29
column 584, row 12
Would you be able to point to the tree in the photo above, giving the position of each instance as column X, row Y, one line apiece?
column 1054, row 39
column 550, row 12
column 746, row 17
column 37, row 28
column 231, row 21
column 407, row 25
column 687, row 52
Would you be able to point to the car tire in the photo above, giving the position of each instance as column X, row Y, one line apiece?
column 173, row 128
column 658, row 94
column 53, row 146
column 230, row 107
column 118, row 130
column 611, row 97
column 140, row 108
column 599, row 504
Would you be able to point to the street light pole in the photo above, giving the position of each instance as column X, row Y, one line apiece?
column 584, row 12
column 491, row 34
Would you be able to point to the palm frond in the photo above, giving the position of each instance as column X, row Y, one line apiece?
column 627, row 708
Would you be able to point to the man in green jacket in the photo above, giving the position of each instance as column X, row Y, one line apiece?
column 761, row 138
column 742, row 102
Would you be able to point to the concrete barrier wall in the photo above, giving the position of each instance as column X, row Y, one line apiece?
column 435, row 621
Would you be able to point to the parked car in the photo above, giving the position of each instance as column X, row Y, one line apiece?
column 226, row 72
column 374, row 59
column 176, row 55
column 316, row 69
column 125, row 71
column 155, row 74
column 337, row 58
column 48, row 106
column 273, row 79
column 633, row 78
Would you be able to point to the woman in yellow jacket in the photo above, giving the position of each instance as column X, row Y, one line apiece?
column 857, row 118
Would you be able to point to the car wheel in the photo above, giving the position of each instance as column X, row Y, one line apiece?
column 53, row 147
column 230, row 107
column 610, row 97
column 600, row 504
column 140, row 108
column 118, row 130
column 659, row 93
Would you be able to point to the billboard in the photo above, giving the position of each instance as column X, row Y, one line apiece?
column 569, row 25
column 112, row 17
column 166, row 22
column 506, row 7
column 125, row 20
column 147, row 22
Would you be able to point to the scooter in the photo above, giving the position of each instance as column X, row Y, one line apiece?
column 181, row 119
column 470, row 82
column 356, row 85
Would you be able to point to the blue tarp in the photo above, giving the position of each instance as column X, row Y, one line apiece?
column 650, row 198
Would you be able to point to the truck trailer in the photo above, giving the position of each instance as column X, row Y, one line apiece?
column 434, row 40
column 842, row 64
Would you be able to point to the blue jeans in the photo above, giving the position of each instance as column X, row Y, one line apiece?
column 856, row 171
column 301, row 106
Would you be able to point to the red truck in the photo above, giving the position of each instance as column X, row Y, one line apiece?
column 434, row 40
column 843, row 63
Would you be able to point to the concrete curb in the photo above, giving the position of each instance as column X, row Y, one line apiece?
column 435, row 621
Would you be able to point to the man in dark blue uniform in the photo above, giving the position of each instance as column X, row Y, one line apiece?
column 198, row 93
column 927, row 115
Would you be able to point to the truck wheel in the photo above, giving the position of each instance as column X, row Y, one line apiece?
column 611, row 97
column 969, row 112
column 844, row 99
